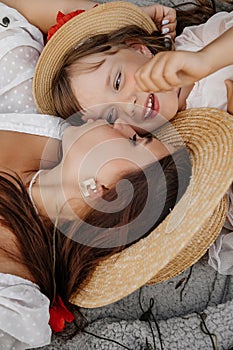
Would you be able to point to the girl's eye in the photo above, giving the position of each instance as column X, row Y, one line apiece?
column 118, row 81
column 134, row 139
column 112, row 116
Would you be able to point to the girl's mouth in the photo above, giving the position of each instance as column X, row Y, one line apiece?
column 151, row 108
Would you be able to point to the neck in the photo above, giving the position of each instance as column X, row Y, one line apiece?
column 53, row 198
column 43, row 152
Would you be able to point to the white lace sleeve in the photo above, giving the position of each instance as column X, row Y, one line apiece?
column 194, row 38
column 221, row 251
column 24, row 314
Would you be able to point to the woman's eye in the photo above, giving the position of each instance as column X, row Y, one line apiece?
column 133, row 139
column 118, row 81
column 112, row 116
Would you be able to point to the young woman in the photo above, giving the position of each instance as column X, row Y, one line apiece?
column 55, row 222
column 121, row 73
column 58, row 261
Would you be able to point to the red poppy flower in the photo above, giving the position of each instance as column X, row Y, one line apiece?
column 62, row 19
column 59, row 314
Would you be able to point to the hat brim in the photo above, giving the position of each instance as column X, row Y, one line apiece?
column 192, row 226
column 98, row 20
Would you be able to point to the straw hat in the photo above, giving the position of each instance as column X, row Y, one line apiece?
column 192, row 226
column 195, row 222
column 98, row 20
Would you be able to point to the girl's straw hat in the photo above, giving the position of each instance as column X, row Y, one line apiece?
column 98, row 20
column 192, row 226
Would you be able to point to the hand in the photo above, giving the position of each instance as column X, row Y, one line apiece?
column 167, row 71
column 161, row 14
column 229, row 87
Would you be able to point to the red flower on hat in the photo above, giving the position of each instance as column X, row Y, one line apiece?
column 62, row 19
column 59, row 314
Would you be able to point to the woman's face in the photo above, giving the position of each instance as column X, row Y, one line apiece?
column 110, row 91
column 106, row 152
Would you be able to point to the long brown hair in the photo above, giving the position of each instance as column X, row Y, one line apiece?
column 33, row 241
column 57, row 260
column 65, row 102
column 165, row 181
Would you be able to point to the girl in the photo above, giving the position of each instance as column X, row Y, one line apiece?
column 117, row 69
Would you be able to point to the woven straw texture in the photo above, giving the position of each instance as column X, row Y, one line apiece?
column 193, row 225
column 101, row 19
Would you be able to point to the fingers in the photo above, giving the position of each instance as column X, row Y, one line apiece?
column 168, row 23
column 229, row 87
column 164, row 18
column 158, row 74
column 169, row 13
column 168, row 29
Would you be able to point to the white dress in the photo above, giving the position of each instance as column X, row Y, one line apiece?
column 221, row 252
column 211, row 92
column 24, row 314
column 20, row 46
column 24, row 310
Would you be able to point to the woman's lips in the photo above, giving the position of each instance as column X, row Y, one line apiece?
column 151, row 108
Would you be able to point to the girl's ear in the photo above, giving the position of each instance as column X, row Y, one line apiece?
column 141, row 49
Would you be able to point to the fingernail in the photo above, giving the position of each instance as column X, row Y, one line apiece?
column 167, row 42
column 168, row 36
column 165, row 30
column 165, row 21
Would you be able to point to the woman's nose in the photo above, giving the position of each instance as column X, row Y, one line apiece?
column 125, row 129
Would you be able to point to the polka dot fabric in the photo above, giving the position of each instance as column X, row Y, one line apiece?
column 24, row 314
column 24, row 310
column 20, row 47
column 16, row 81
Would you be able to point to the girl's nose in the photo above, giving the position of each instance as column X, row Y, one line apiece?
column 129, row 105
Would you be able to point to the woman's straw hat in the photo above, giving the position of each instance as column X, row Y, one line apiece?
column 101, row 19
column 192, row 226
column 195, row 222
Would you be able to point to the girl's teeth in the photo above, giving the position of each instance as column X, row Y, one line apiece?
column 148, row 109
column 149, row 104
column 147, row 112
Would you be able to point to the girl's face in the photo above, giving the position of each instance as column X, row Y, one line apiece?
column 110, row 91
column 105, row 152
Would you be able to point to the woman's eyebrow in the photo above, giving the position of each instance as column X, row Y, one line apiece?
column 148, row 137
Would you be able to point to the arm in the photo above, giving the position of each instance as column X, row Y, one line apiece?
column 169, row 70
column 42, row 13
